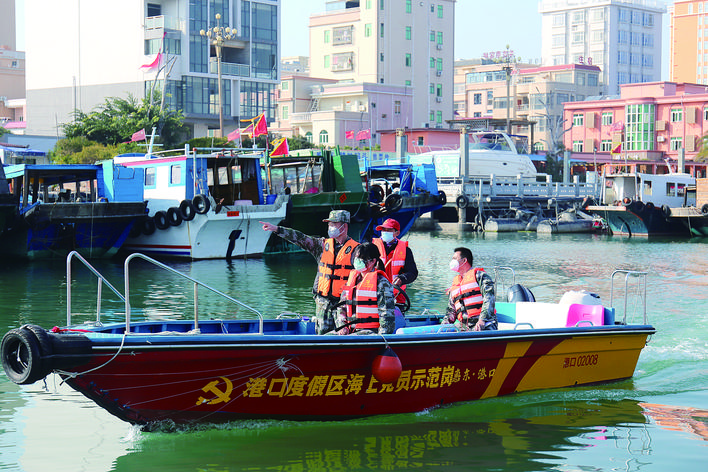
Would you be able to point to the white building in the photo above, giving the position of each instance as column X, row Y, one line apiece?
column 622, row 37
column 80, row 53
column 399, row 43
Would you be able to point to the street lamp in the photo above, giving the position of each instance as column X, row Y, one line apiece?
column 217, row 36
column 507, row 68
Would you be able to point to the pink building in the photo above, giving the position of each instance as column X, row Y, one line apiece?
column 422, row 139
column 648, row 123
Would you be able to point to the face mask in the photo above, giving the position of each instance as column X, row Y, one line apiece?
column 333, row 231
column 359, row 264
column 454, row 265
column 387, row 236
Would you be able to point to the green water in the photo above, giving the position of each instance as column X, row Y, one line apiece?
column 47, row 426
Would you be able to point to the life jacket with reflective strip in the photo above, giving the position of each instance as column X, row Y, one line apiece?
column 362, row 302
column 394, row 264
column 466, row 294
column 333, row 269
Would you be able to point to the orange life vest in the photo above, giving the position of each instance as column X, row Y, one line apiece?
column 333, row 270
column 466, row 294
column 362, row 302
column 394, row 264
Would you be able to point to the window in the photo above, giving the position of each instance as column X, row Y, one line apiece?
column 578, row 37
column 368, row 4
column 579, row 79
column 285, row 112
column 676, row 143
column 438, row 118
column 648, row 20
column 477, row 98
column 490, row 96
column 150, row 177
column 558, row 40
column 624, row 15
column 598, row 36
column 381, row 30
column 477, row 114
column 440, row 37
column 705, row 114
column 284, row 85
column 409, row 6
column 176, row 174
column 578, row 119
column 367, row 30
column 648, row 40
column 432, row 35
column 409, row 33
column 606, row 118
column 438, row 90
column 324, row 137
column 409, row 60
column 579, row 16
column 440, row 64
column 598, row 14
column 559, row 19
column 326, row 62
column 640, row 122
column 623, row 37
column 397, row 107
column 343, row 61
column 577, row 146
column 432, row 88
column 327, row 35
column 592, row 80
column 421, row 141
column 343, row 35
column 440, row 11
column 676, row 115
column 308, row 136
column 647, row 60
column 606, row 145
column 407, row 83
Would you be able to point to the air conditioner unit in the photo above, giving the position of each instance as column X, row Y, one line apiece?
column 438, row 99
column 660, row 139
column 438, row 73
column 439, row 47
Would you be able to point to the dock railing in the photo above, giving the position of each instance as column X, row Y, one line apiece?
column 126, row 299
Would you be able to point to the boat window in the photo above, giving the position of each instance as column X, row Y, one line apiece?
column 176, row 174
column 647, row 188
column 223, row 175
column 236, row 174
column 149, row 176
column 210, row 177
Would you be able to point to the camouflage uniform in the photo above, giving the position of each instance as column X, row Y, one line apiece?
column 324, row 316
column 487, row 313
column 386, row 304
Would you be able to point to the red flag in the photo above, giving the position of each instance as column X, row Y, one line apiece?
column 138, row 136
column 154, row 64
column 248, row 130
column 349, row 134
column 280, row 147
column 260, row 127
column 363, row 134
column 234, row 135
column 617, row 149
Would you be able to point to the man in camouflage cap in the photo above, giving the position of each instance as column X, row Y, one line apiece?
column 334, row 257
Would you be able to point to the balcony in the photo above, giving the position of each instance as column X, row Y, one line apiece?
column 230, row 68
column 156, row 25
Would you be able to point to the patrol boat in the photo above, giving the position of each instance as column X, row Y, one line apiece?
column 214, row 369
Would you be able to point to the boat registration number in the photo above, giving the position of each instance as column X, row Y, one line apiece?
column 580, row 361
column 231, row 214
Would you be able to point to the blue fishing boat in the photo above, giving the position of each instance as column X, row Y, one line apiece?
column 63, row 208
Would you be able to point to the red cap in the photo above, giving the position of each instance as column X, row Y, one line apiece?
column 389, row 224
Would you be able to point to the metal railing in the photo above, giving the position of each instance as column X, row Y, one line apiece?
column 641, row 279
column 126, row 299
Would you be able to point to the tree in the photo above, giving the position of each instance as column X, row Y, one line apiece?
column 80, row 150
column 555, row 126
column 702, row 155
column 117, row 119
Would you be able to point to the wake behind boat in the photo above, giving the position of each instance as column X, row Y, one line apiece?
column 215, row 368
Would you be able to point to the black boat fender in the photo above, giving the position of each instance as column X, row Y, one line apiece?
column 161, row 221
column 174, row 217
column 187, row 210
column 201, row 203
column 393, row 203
column 666, row 210
column 21, row 358
column 704, row 209
column 462, row 201
column 442, row 198
column 148, row 226
column 519, row 293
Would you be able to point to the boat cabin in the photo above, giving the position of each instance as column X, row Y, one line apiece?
column 659, row 189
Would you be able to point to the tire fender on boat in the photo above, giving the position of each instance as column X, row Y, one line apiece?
column 649, row 206
column 174, row 216
column 21, row 358
column 462, row 201
column 638, row 206
column 704, row 209
column 442, row 198
column 187, row 210
column 666, row 210
column 148, row 226
column 201, row 203
column 393, row 203
column 161, row 221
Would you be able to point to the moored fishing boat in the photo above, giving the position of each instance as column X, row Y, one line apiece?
column 201, row 206
column 60, row 208
column 223, row 369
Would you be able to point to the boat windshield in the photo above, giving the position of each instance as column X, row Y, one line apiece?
column 498, row 142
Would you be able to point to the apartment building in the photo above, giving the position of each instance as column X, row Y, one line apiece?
column 648, row 122
column 689, row 41
column 535, row 94
column 397, row 43
column 622, row 37
column 12, row 71
column 82, row 53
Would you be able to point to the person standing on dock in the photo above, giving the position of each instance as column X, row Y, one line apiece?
column 334, row 257
column 472, row 299
column 397, row 257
